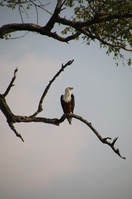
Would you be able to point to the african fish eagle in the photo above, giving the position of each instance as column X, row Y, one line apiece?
column 68, row 102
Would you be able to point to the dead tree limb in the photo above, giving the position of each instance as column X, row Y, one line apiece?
column 103, row 140
column 11, row 83
column 11, row 118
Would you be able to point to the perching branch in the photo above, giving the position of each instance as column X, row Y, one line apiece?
column 11, row 118
column 103, row 140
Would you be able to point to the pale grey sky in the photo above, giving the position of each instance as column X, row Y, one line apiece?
column 68, row 161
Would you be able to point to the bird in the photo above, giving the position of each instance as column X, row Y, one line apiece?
column 68, row 102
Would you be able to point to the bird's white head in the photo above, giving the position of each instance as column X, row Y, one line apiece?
column 68, row 90
column 67, row 95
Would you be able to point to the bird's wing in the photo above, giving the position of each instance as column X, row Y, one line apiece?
column 72, row 102
column 61, row 99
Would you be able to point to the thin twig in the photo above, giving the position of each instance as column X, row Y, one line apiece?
column 36, row 13
column 11, row 83
column 19, row 36
column 20, row 12
column 16, row 133
column 41, row 6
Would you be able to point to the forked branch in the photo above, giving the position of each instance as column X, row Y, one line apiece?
column 11, row 118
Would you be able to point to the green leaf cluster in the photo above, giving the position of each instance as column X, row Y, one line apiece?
column 13, row 4
column 111, row 23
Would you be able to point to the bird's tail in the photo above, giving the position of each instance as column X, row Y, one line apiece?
column 69, row 120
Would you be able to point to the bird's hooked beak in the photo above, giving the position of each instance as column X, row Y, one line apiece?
column 70, row 88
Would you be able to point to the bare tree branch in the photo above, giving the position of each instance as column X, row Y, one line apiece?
column 48, row 86
column 11, row 118
column 11, row 83
column 103, row 140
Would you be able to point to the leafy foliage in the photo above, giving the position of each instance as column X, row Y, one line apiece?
column 108, row 22
column 112, row 24
column 13, row 4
